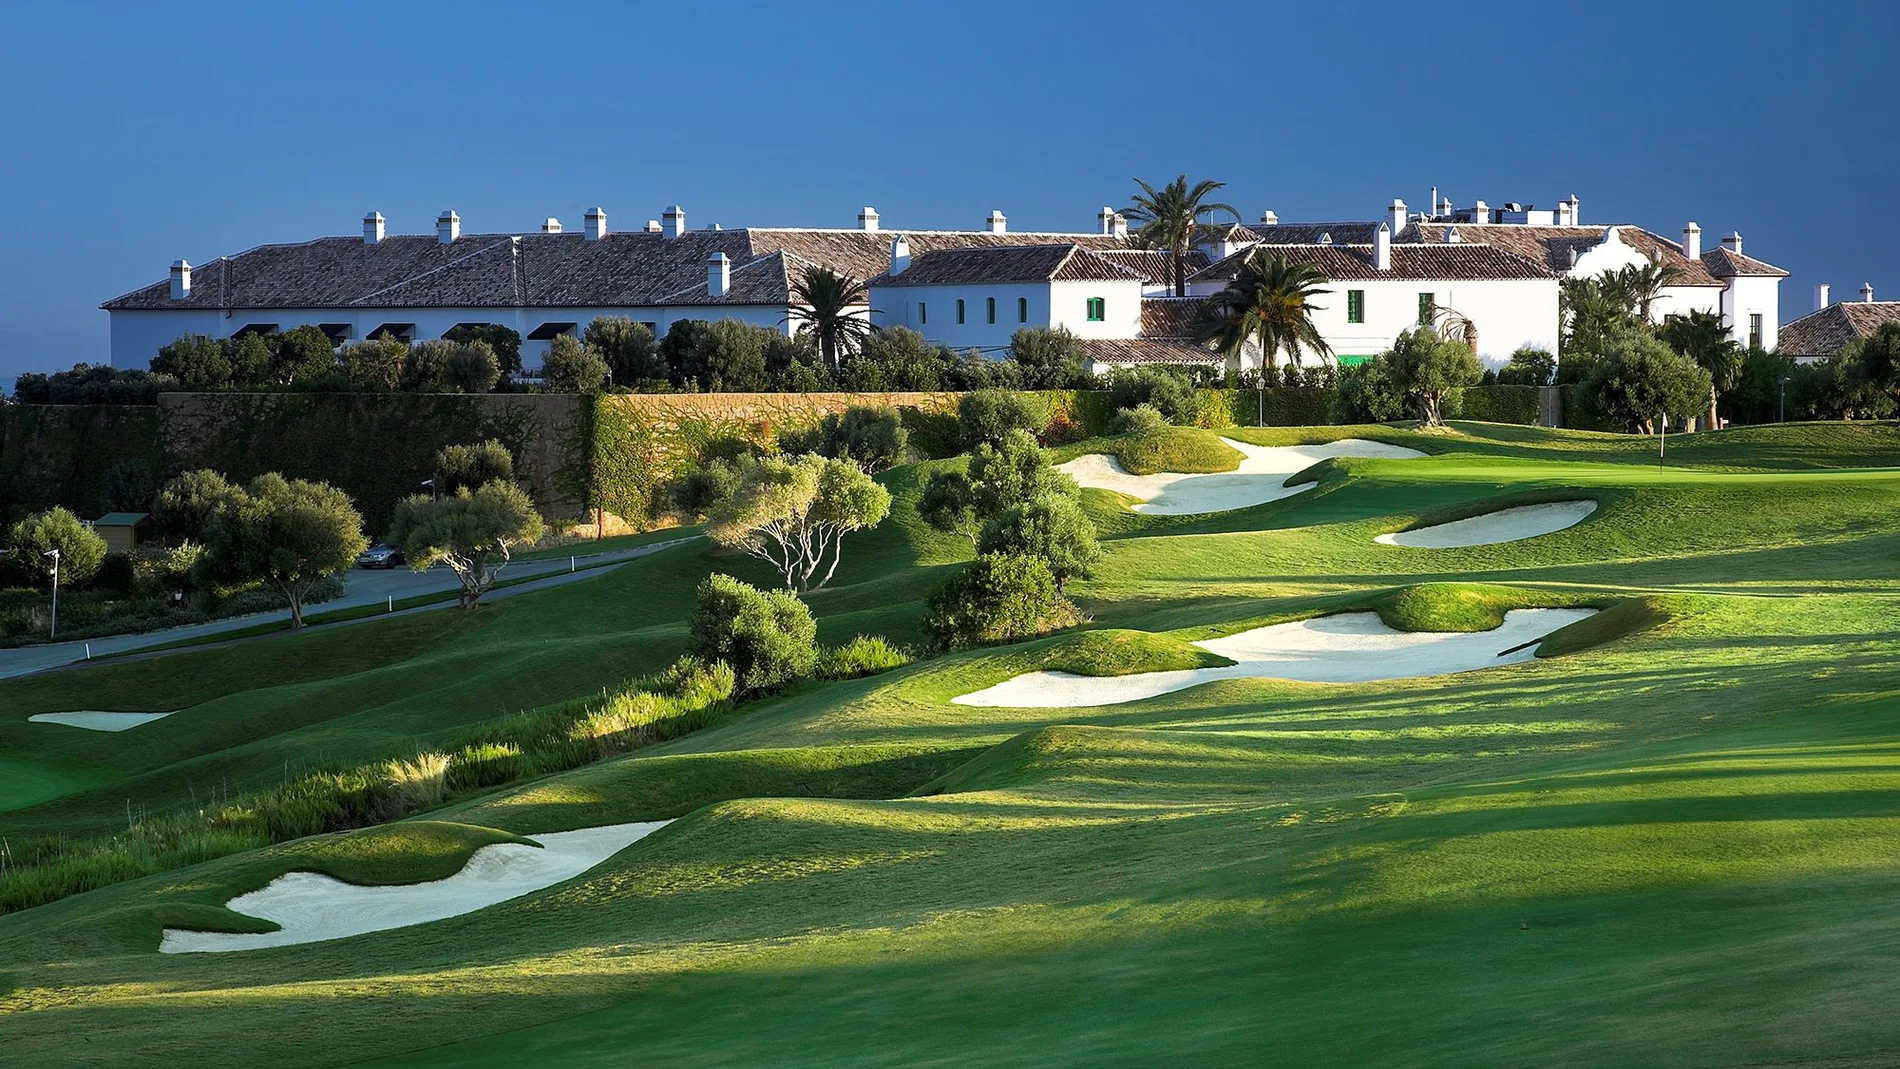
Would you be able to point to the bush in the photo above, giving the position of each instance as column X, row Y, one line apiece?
column 991, row 415
column 1050, row 358
column 1368, row 393
column 1531, row 365
column 1000, row 598
column 1166, row 390
column 81, row 550
column 1181, row 449
column 483, row 764
column 862, row 656
column 473, row 466
column 1142, row 417
column 571, row 367
column 769, row 639
column 872, row 436
column 1016, row 470
column 418, row 782
column 1052, row 528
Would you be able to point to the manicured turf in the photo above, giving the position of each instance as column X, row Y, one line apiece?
column 26, row 781
column 1175, row 449
column 1674, row 841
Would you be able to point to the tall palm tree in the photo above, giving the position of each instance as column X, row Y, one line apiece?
column 1641, row 287
column 1168, row 216
column 1269, row 303
column 824, row 305
column 1702, row 337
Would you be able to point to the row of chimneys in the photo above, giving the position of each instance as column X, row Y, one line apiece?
column 1821, row 295
column 672, row 223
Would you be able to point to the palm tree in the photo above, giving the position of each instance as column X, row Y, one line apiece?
column 1269, row 303
column 823, row 306
column 1701, row 337
column 1169, row 215
column 1641, row 287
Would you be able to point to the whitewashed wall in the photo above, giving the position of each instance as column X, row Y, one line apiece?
column 1509, row 314
column 1754, row 294
column 898, row 306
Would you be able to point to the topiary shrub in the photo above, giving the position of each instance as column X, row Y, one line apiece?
column 769, row 639
column 990, row 416
column 1000, row 598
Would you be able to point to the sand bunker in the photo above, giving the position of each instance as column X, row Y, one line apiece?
column 1261, row 476
column 96, row 721
column 1354, row 647
column 1504, row 525
column 312, row 907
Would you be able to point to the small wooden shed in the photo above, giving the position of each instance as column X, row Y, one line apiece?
column 121, row 530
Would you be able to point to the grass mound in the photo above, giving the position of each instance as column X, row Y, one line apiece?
column 1119, row 652
column 1626, row 617
column 1188, row 450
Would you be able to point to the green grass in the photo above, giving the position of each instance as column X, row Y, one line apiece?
column 1118, row 652
column 26, row 781
column 1175, row 449
column 1669, row 841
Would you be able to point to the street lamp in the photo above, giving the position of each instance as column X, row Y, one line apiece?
column 430, row 483
column 53, row 631
column 1781, row 403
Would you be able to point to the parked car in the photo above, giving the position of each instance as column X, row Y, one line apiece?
column 379, row 556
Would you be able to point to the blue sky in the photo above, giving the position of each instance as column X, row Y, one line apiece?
column 136, row 134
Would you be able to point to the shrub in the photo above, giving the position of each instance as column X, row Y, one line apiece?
column 1531, row 365
column 1142, row 417
column 631, row 353
column 81, row 550
column 769, row 639
column 866, row 655
column 992, row 415
column 571, row 367
column 999, row 598
column 1016, row 470
column 473, row 466
column 1050, row 358
column 1368, row 393
column 1051, row 528
column 417, row 782
column 699, row 490
column 872, row 436
column 504, row 342
column 1166, row 390
column 948, row 504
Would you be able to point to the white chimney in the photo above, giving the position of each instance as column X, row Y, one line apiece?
column 867, row 218
column 673, row 221
column 1382, row 244
column 653, row 226
column 372, row 228
column 1105, row 221
column 1270, row 217
column 1692, row 241
column 1120, row 225
column 1397, row 214
column 448, row 227
column 181, row 280
column 1820, row 297
column 594, row 223
column 1866, row 288
column 900, row 255
column 998, row 222
column 1733, row 242
column 718, row 274
column 552, row 226
column 1567, row 214
column 1480, row 212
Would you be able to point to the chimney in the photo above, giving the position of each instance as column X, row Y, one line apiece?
column 900, row 255
column 1270, row 218
column 1733, row 242
column 673, row 222
column 1382, row 242
column 1480, row 212
column 1397, row 215
column 594, row 224
column 997, row 222
column 1692, row 241
column 653, row 226
column 181, row 280
column 1105, row 221
column 372, row 228
column 1120, row 226
column 1820, row 297
column 1866, row 288
column 552, row 226
column 867, row 218
column 448, row 226
column 1567, row 214
column 718, row 274
column 1452, row 237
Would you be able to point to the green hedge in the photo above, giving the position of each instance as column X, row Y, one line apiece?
column 1499, row 404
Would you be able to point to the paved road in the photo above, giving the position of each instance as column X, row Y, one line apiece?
column 361, row 588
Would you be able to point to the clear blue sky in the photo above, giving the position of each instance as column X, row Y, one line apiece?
column 136, row 134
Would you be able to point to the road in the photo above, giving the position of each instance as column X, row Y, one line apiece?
column 361, row 587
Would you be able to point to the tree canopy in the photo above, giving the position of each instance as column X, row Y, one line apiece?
column 288, row 534
column 793, row 513
column 1167, row 218
column 1639, row 379
column 571, row 367
column 1427, row 367
column 473, row 532
column 1270, row 304
column 81, row 550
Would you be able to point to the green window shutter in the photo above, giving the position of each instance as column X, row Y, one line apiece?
column 923, row 315
column 1022, row 309
column 1355, row 306
column 1098, row 309
column 990, row 306
column 959, row 309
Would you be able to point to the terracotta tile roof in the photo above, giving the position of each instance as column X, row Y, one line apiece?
column 1343, row 263
column 1155, row 265
column 1169, row 317
column 1723, row 262
column 1007, row 264
column 1552, row 245
column 630, row 269
column 1148, row 351
column 1357, row 232
column 1827, row 332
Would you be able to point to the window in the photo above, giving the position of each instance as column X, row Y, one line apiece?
column 1022, row 309
column 1754, row 330
column 959, row 309
column 1426, row 305
column 1098, row 309
column 923, row 314
column 1355, row 306
column 991, row 302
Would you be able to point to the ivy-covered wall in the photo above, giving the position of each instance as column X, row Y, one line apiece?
column 75, row 455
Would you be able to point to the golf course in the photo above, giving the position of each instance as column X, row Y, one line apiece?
column 1489, row 746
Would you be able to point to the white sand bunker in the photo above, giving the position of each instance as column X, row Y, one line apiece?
column 97, row 721
column 1504, row 525
column 312, row 907
column 1354, row 647
column 1261, row 476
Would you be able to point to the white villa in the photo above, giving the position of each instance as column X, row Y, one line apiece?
column 1498, row 268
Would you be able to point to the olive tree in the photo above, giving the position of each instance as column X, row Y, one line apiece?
column 287, row 534
column 1051, row 527
column 1639, row 379
column 474, row 532
column 793, row 513
column 1427, row 367
column 571, row 367
column 80, row 548
column 471, row 466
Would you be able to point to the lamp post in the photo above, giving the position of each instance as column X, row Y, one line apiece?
column 430, row 483
column 53, row 631
column 1781, row 401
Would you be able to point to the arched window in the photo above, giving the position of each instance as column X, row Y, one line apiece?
column 959, row 309
column 1022, row 309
